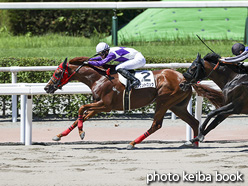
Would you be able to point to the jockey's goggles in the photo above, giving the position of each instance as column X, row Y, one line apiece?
column 102, row 53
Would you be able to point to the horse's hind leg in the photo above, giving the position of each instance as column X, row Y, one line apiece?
column 182, row 112
column 157, row 124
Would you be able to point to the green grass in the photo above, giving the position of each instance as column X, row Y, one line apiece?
column 50, row 46
column 56, row 46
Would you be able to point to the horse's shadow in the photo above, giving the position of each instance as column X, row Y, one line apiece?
column 108, row 145
column 242, row 148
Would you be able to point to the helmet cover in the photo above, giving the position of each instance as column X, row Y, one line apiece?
column 237, row 48
column 101, row 47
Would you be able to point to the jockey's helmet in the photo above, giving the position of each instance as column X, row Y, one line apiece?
column 238, row 48
column 101, row 48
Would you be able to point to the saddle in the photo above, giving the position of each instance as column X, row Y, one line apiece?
column 146, row 79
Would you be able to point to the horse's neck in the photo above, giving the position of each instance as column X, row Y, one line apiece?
column 86, row 75
column 222, row 75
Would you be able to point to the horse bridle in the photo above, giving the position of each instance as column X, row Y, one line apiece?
column 204, row 71
column 58, row 84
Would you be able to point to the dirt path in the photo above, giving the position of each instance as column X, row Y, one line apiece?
column 112, row 164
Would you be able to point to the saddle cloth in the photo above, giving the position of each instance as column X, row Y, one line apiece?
column 146, row 79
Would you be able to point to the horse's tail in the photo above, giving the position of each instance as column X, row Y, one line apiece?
column 214, row 96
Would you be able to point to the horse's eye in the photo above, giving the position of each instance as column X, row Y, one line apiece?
column 57, row 75
column 192, row 69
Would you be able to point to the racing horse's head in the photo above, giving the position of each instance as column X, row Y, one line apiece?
column 200, row 69
column 60, row 77
column 196, row 71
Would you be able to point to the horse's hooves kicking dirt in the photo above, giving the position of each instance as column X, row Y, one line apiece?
column 82, row 135
column 56, row 138
column 130, row 147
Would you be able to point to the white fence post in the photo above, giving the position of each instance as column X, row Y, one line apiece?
column 23, row 118
column 173, row 116
column 188, row 128
column 14, row 99
column 198, row 107
column 28, row 126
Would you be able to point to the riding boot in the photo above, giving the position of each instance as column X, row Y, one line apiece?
column 125, row 73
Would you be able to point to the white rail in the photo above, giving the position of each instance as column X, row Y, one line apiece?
column 124, row 5
column 52, row 68
column 38, row 89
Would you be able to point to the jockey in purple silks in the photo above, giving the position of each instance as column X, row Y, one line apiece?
column 240, row 52
column 128, row 59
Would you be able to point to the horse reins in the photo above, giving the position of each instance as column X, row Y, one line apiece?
column 215, row 67
column 219, row 62
column 58, row 85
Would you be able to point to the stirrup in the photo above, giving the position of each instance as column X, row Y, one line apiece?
column 135, row 84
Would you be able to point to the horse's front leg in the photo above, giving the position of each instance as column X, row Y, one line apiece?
column 83, row 118
column 69, row 129
column 93, row 109
column 222, row 113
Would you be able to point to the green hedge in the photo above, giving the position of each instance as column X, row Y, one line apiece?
column 55, row 105
column 71, row 22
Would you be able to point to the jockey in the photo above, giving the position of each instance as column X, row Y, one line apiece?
column 128, row 59
column 240, row 52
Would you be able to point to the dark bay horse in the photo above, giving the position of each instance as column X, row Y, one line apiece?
column 232, row 80
column 108, row 94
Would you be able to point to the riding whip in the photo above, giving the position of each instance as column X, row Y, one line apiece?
column 205, row 44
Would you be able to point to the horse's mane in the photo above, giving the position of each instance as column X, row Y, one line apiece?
column 212, row 57
column 78, row 60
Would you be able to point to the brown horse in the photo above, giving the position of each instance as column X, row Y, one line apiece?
column 232, row 80
column 108, row 94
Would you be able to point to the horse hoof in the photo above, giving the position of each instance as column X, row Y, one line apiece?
column 82, row 135
column 201, row 137
column 188, row 144
column 130, row 147
column 56, row 138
